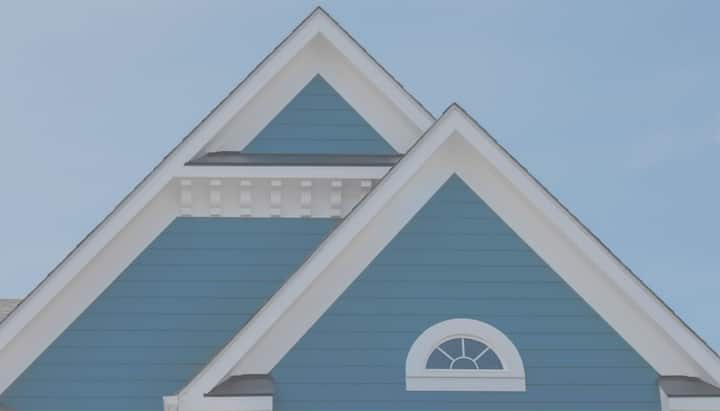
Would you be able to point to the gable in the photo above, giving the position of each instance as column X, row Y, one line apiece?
column 458, row 145
column 318, row 120
column 457, row 259
column 317, row 46
column 453, row 144
column 167, row 314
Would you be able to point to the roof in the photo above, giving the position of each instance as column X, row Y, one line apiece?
column 244, row 386
column 454, row 143
column 317, row 25
column 6, row 307
column 681, row 386
column 237, row 158
column 457, row 144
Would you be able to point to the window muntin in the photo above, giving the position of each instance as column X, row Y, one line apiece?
column 463, row 353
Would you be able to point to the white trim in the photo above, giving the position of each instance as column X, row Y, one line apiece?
column 668, row 403
column 170, row 403
column 77, row 280
column 321, row 47
column 456, row 144
column 693, row 403
column 419, row 378
column 690, row 404
column 457, row 382
column 241, row 403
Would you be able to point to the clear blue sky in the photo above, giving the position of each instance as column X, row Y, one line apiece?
column 613, row 105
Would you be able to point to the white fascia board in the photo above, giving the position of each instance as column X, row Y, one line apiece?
column 374, row 71
column 338, row 172
column 22, row 340
column 456, row 144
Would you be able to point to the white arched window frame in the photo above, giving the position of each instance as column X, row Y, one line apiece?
column 511, row 377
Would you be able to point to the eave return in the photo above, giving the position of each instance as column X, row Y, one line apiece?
column 244, row 386
column 682, row 386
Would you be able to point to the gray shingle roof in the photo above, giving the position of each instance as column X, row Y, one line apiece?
column 237, row 158
column 681, row 386
column 243, row 386
column 6, row 306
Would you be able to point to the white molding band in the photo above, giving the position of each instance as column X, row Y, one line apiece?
column 688, row 403
column 419, row 378
column 240, row 403
column 270, row 197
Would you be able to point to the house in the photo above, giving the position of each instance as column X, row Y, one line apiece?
column 321, row 242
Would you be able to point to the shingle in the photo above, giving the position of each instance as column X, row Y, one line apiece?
column 236, row 158
column 243, row 386
column 681, row 386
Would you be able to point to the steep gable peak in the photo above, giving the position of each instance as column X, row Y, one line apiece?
column 319, row 47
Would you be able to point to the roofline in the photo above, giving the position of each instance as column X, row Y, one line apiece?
column 157, row 179
column 589, row 232
column 344, row 234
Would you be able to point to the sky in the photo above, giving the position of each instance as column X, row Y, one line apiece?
column 614, row 106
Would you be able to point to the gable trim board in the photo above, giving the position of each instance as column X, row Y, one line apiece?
column 146, row 210
column 456, row 144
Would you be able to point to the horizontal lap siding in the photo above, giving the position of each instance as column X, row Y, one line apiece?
column 319, row 121
column 167, row 314
column 457, row 259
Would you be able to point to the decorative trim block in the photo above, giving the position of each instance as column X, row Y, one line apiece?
column 336, row 198
column 276, row 195
column 270, row 197
column 306, row 198
column 185, row 197
column 245, row 198
column 215, row 197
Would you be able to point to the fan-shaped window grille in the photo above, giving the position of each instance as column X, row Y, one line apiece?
column 464, row 355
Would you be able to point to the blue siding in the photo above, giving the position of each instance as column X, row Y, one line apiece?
column 454, row 259
column 319, row 121
column 167, row 315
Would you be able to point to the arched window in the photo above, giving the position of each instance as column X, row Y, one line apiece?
column 464, row 355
